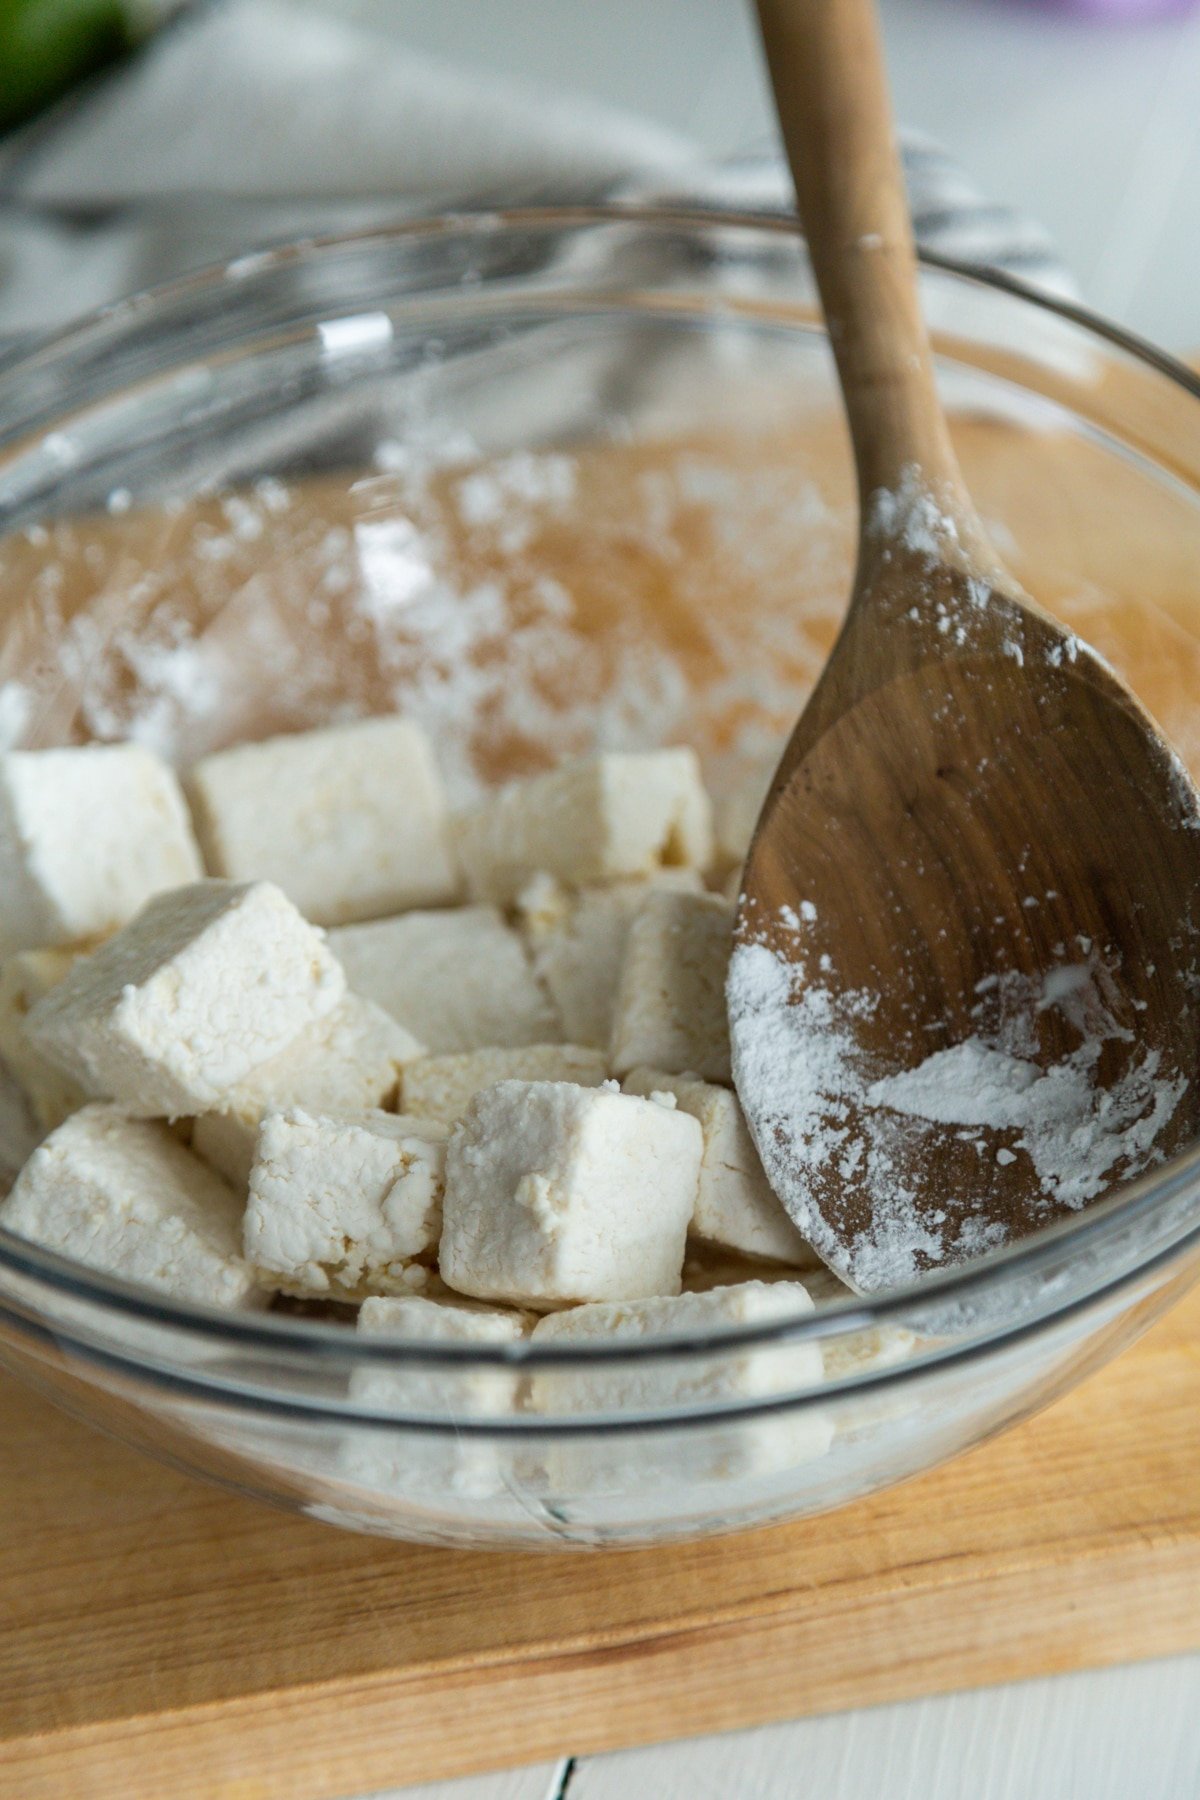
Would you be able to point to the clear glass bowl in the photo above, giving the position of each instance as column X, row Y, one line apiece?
column 682, row 351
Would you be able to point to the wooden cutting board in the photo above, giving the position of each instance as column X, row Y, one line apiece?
column 162, row 1638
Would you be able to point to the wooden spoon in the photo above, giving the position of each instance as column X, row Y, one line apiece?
column 977, row 843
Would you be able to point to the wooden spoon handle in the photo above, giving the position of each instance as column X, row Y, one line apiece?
column 827, row 70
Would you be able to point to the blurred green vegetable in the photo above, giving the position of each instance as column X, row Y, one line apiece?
column 46, row 45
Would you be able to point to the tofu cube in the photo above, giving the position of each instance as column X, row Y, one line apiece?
column 736, row 807
column 844, row 1354
column 736, row 1206
column 342, row 1206
column 87, row 835
column 868, row 1350
column 747, row 1373
column 856, row 1352
column 557, row 1193
column 459, row 980
column 669, row 1011
column 589, row 821
column 442, row 1087
column 123, row 1196
column 666, row 1465
column 351, row 1061
column 24, row 978
column 577, row 942
column 204, row 985
column 457, row 1390
column 350, row 821
column 434, row 1466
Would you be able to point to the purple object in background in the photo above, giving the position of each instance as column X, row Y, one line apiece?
column 1132, row 10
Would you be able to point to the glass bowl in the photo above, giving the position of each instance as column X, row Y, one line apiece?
column 550, row 480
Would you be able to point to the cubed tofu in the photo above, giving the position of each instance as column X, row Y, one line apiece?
column 735, row 1204
column 455, row 1390
column 349, row 821
column 24, row 979
column 589, row 821
column 442, row 1087
column 342, row 1206
column 125, row 1197
column 351, row 1061
column 430, row 1465
column 557, row 1193
column 577, row 942
column 87, row 835
column 737, row 804
column 747, row 1373
column 459, row 980
column 672, row 1462
column 205, row 984
column 669, row 1011
column 858, row 1352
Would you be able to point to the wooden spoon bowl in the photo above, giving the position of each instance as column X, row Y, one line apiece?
column 977, row 842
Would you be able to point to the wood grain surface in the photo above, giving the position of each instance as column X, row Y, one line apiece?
column 162, row 1637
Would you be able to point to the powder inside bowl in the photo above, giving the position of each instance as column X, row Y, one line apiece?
column 522, row 608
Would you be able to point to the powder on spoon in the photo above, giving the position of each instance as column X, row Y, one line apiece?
column 824, row 1107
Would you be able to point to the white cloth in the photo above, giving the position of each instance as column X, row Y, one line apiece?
column 261, row 97
column 251, row 122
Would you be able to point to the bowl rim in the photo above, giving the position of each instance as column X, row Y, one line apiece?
column 1127, row 1203
column 816, row 1396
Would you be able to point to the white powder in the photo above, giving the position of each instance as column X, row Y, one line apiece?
column 1074, row 1133
column 826, row 1117
column 512, row 606
column 911, row 513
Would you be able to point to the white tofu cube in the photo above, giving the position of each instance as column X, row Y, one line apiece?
column 459, row 980
column 736, row 1206
column 577, row 943
column 204, row 985
column 225, row 1141
column 725, row 1375
column 24, row 978
column 866, row 1351
column 589, row 821
column 878, row 1347
column 442, row 1087
column 429, row 1465
column 674, row 1462
column 341, row 1206
column 737, row 804
column 125, row 1197
column 843, row 1354
column 557, row 1193
column 458, row 1389
column 350, row 821
column 351, row 1061
column 669, row 1011
column 86, row 837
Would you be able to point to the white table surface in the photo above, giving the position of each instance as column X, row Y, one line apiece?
column 1095, row 129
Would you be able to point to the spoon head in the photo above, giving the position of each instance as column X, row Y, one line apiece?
column 964, row 991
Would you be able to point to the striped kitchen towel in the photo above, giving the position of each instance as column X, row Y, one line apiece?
column 251, row 122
